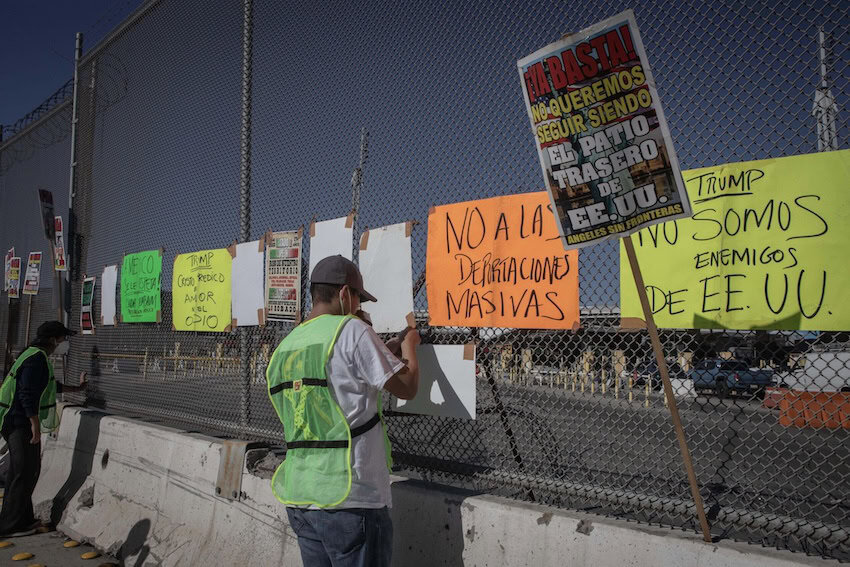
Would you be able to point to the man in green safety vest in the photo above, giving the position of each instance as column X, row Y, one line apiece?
column 28, row 407
column 325, row 381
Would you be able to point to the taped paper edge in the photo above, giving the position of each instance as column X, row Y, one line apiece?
column 261, row 316
column 312, row 229
column 364, row 239
column 234, row 323
column 411, row 320
column 632, row 323
column 268, row 237
column 227, row 329
column 159, row 317
column 408, row 228
column 432, row 210
column 232, row 250
column 115, row 319
column 261, row 244
column 298, row 317
column 469, row 351
column 349, row 220
column 301, row 231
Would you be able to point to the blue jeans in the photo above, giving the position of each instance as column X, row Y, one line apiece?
column 348, row 537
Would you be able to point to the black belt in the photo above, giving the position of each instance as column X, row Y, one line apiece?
column 306, row 382
column 356, row 432
column 53, row 405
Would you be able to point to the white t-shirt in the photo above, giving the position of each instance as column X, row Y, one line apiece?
column 357, row 370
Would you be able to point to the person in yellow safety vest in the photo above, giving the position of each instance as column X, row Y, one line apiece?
column 28, row 406
column 325, row 381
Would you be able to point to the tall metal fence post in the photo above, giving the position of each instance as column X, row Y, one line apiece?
column 65, row 306
column 245, row 196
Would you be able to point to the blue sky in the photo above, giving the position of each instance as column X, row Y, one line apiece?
column 37, row 46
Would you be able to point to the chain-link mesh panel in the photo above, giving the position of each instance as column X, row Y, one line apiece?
column 572, row 419
column 158, row 167
column 36, row 158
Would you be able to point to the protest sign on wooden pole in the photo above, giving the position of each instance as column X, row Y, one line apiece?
column 668, row 388
column 607, row 154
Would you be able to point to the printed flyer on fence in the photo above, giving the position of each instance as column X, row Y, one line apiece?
column 603, row 143
column 283, row 276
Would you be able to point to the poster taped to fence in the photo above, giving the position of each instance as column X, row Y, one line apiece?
column 764, row 249
column 246, row 299
column 331, row 237
column 8, row 268
column 141, row 283
column 446, row 382
column 283, row 276
column 499, row 263
column 14, row 277
column 387, row 268
column 60, row 262
column 108, row 283
column 87, row 305
column 201, row 287
column 45, row 201
column 32, row 277
column 601, row 137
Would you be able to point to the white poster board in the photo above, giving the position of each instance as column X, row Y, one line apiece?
column 247, row 272
column 108, row 309
column 387, row 268
column 329, row 238
column 446, row 382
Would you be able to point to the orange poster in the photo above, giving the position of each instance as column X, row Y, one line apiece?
column 500, row 263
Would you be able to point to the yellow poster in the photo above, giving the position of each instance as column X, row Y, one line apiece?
column 201, row 291
column 766, row 249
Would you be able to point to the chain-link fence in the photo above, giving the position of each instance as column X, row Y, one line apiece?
column 572, row 419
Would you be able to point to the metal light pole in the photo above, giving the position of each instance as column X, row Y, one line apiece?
column 356, row 186
column 824, row 108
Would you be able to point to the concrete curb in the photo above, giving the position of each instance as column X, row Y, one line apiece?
column 146, row 494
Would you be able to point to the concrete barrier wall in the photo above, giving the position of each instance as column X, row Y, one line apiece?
column 146, row 493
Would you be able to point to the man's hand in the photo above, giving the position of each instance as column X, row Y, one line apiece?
column 36, row 432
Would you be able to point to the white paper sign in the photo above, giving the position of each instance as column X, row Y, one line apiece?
column 246, row 299
column 108, row 309
column 329, row 238
column 387, row 269
column 446, row 383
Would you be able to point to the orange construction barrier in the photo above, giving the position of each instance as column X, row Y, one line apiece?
column 815, row 409
column 772, row 397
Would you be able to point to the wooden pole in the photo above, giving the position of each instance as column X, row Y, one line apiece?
column 29, row 316
column 668, row 387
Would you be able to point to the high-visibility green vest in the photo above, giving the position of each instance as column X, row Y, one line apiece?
column 317, row 467
column 47, row 404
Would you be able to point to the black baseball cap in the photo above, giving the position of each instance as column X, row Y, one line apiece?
column 53, row 329
column 338, row 270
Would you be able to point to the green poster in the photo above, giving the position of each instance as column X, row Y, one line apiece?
column 141, row 282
